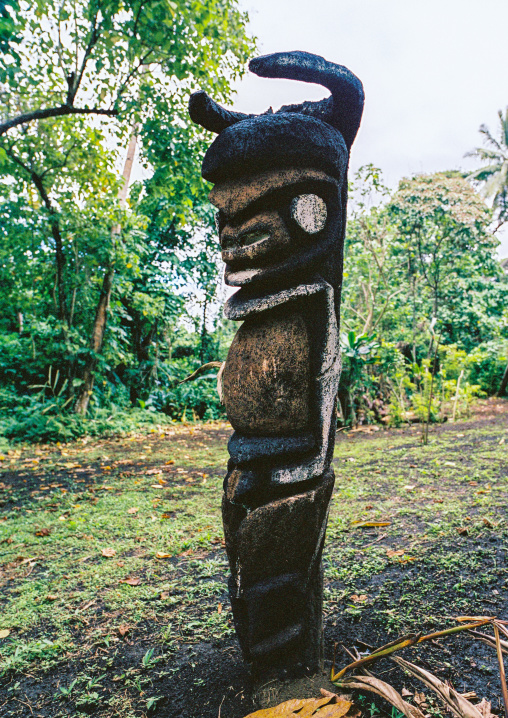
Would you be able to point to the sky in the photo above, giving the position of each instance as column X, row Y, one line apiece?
column 433, row 72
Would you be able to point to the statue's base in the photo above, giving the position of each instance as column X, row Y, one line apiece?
column 272, row 692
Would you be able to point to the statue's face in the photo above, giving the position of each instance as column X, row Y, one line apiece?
column 276, row 223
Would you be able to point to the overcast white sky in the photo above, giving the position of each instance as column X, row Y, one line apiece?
column 433, row 71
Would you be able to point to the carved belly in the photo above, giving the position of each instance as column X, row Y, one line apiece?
column 266, row 379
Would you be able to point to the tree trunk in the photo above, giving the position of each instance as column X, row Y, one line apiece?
column 101, row 314
column 59, row 253
column 504, row 382
column 98, row 330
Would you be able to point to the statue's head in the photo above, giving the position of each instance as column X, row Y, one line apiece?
column 281, row 178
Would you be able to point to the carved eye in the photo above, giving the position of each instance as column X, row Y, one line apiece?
column 309, row 211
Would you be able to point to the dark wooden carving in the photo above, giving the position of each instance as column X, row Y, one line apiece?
column 280, row 186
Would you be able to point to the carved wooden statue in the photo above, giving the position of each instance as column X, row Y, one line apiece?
column 281, row 189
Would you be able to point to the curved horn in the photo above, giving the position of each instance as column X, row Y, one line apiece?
column 206, row 112
column 345, row 113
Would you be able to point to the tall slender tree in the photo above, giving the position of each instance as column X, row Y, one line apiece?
column 492, row 176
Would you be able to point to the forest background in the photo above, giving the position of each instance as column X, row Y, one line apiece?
column 111, row 289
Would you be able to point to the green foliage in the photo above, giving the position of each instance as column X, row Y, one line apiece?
column 77, row 261
column 492, row 177
column 64, row 228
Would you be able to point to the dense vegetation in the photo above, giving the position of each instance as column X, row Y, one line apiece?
column 110, row 294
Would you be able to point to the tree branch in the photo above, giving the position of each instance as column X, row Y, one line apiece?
column 53, row 112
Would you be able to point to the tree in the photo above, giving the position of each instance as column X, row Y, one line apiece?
column 140, row 59
column 493, row 177
column 369, row 289
column 92, row 58
column 420, row 252
column 442, row 232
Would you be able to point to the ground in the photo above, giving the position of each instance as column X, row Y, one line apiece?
column 113, row 572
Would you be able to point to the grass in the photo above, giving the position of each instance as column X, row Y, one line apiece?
column 113, row 572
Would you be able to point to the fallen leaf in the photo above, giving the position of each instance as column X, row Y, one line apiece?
column 156, row 486
column 358, row 599
column 405, row 693
column 133, row 510
column 108, row 552
column 391, row 553
column 4, row 633
column 368, row 507
column 487, row 523
column 134, row 581
column 162, row 554
column 330, row 706
column 369, row 524
column 412, row 466
column 51, row 597
column 164, row 595
column 485, row 709
column 462, row 530
column 219, row 608
column 171, row 461
column 43, row 532
column 123, row 630
column 120, row 563
column 420, row 698
column 186, row 553
column 167, row 515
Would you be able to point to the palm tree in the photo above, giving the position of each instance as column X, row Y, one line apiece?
column 493, row 177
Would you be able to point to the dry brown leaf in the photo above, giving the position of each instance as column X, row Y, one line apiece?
column 458, row 705
column 108, row 552
column 134, row 581
column 123, row 630
column 4, row 633
column 391, row 553
column 358, row 599
column 385, row 690
column 51, row 597
column 162, row 554
column 462, row 530
column 331, row 706
column 485, row 709
column 133, row 510
column 43, row 532
column 284, row 710
column 164, row 595
column 335, row 709
column 405, row 693
column 420, row 698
